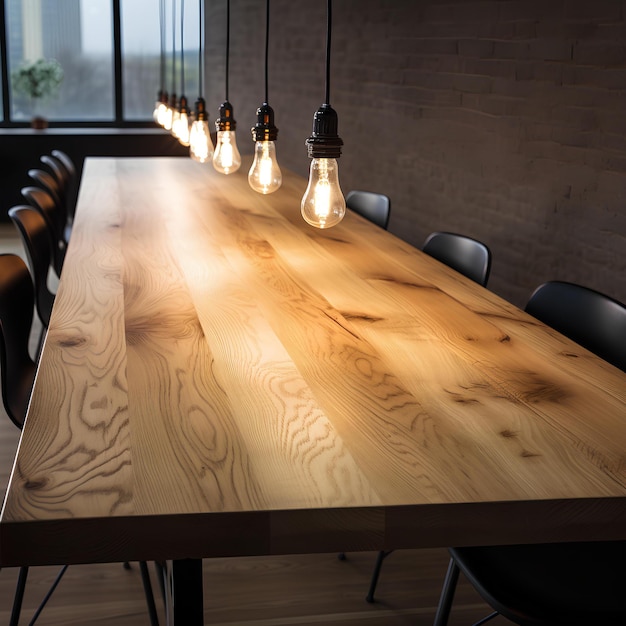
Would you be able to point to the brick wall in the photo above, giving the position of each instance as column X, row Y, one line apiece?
column 504, row 120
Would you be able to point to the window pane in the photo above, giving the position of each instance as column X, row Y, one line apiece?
column 76, row 33
column 141, row 53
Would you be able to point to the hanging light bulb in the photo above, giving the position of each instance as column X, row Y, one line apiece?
column 181, row 122
column 172, row 106
column 161, row 102
column 265, row 175
column 159, row 107
column 183, row 127
column 323, row 204
column 226, row 158
column 161, row 110
column 200, row 143
column 175, row 121
column 169, row 113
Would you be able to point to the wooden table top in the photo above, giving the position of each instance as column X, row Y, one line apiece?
column 219, row 378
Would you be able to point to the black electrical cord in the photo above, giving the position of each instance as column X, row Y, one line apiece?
column 173, row 46
column 267, row 40
column 182, row 46
column 200, row 44
column 227, row 42
column 329, row 20
column 162, row 36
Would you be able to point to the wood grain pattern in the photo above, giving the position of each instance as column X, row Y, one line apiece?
column 216, row 367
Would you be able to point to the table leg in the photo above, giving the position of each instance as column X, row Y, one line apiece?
column 184, row 598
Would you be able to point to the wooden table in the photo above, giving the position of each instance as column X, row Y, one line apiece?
column 221, row 379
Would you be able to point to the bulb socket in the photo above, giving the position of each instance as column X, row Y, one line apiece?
column 264, row 129
column 324, row 142
column 225, row 121
column 173, row 101
column 183, row 106
column 201, row 114
column 162, row 97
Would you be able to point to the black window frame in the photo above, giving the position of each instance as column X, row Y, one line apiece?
column 118, row 96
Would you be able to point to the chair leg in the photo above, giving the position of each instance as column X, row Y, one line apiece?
column 484, row 620
column 447, row 595
column 160, row 571
column 47, row 597
column 382, row 555
column 147, row 588
column 19, row 596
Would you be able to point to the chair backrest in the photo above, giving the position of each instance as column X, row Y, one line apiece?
column 468, row 256
column 376, row 207
column 34, row 232
column 47, row 182
column 67, row 163
column 55, row 218
column 16, row 315
column 588, row 317
column 71, row 189
column 57, row 168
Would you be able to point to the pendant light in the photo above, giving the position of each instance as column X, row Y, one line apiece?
column 265, row 175
column 323, row 204
column 181, row 129
column 226, row 158
column 173, row 104
column 200, row 143
column 160, row 106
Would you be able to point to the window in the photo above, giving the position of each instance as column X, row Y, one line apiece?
column 109, row 52
column 78, row 35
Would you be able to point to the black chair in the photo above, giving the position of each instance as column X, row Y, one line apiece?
column 67, row 162
column 17, row 378
column 59, row 171
column 468, row 256
column 376, row 207
column 36, row 238
column 47, row 182
column 588, row 317
column 16, row 316
column 56, row 220
column 573, row 584
column 71, row 190
column 558, row 584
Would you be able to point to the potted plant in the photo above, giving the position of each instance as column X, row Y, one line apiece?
column 37, row 81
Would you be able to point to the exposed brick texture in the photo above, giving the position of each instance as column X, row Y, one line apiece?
column 501, row 119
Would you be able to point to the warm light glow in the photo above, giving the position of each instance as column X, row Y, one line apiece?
column 168, row 118
column 264, row 175
column 323, row 204
column 200, row 144
column 155, row 113
column 161, row 112
column 183, row 129
column 176, row 123
column 226, row 158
